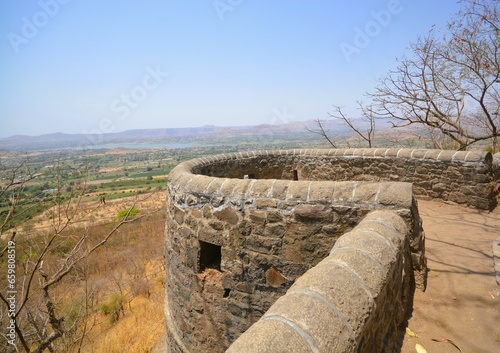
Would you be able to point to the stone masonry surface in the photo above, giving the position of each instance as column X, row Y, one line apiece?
column 243, row 228
column 352, row 301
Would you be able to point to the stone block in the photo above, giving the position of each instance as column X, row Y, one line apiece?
column 308, row 212
column 446, row 155
column 227, row 214
column 274, row 216
column 321, row 191
column 397, row 194
column 258, row 216
column 199, row 184
column 318, row 321
column 380, row 152
column 274, row 278
column 209, row 235
column 275, row 230
column 270, row 336
column 373, row 243
column 418, row 154
column 179, row 214
column 280, row 188
column 384, row 230
column 393, row 219
column 261, row 188
column 298, row 191
column 263, row 245
column 392, row 152
column 349, row 152
column 228, row 186
column 343, row 192
column 405, row 153
column 266, row 203
column 242, row 187
column 366, row 267
column 340, row 289
column 366, row 192
column 214, row 186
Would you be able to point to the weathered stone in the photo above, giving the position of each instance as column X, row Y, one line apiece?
column 216, row 225
column 298, row 191
column 207, row 211
column 196, row 213
column 275, row 230
column 270, row 336
column 263, row 244
column 227, row 214
column 191, row 200
column 279, row 189
column 306, row 212
column 178, row 215
column 366, row 192
column 267, row 232
column 321, row 192
column 274, row 278
column 258, row 217
column 244, row 287
column 396, row 194
column 274, row 216
column 264, row 203
column 209, row 235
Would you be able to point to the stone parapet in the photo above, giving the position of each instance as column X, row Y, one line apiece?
column 352, row 301
column 462, row 177
column 241, row 230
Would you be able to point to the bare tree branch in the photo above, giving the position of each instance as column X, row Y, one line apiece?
column 369, row 134
column 450, row 82
column 322, row 132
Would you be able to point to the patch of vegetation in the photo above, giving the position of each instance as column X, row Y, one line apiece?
column 114, row 307
column 127, row 212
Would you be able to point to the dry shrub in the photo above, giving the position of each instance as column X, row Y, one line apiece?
column 114, row 307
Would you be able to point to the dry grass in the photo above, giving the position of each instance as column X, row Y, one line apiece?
column 131, row 265
column 127, row 271
column 138, row 330
column 93, row 212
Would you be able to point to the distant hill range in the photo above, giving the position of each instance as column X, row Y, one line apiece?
column 196, row 135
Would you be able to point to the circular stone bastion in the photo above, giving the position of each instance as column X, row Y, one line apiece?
column 243, row 228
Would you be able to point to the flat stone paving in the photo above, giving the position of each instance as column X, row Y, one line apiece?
column 462, row 300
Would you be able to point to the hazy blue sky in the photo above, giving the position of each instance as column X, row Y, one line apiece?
column 81, row 66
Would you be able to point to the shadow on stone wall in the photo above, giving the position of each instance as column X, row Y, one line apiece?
column 243, row 228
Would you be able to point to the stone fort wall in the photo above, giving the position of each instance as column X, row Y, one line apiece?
column 243, row 228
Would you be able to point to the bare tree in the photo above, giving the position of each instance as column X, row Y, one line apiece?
column 364, row 127
column 320, row 130
column 367, row 118
column 29, row 306
column 450, row 83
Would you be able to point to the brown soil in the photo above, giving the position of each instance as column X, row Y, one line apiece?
column 461, row 302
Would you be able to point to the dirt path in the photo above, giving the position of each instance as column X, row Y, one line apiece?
column 462, row 300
